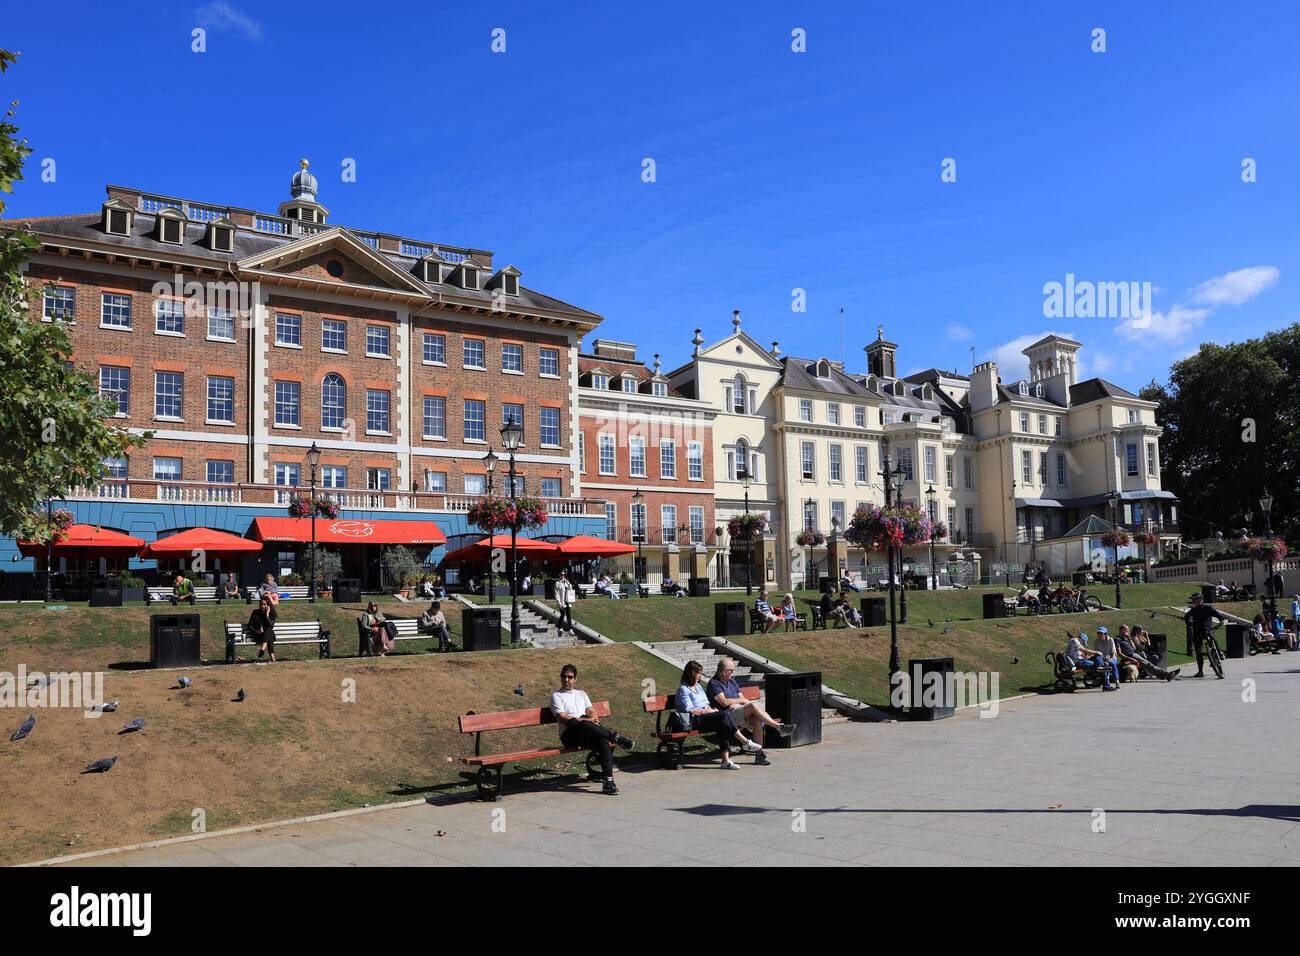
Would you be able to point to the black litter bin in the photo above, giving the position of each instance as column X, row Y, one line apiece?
column 1236, row 640
column 105, row 592
column 1208, row 593
column 827, row 585
column 794, row 699
column 1191, row 647
column 174, row 640
column 873, row 612
column 1079, row 578
column 933, row 689
column 1159, row 653
column 347, row 590
column 698, row 587
column 729, row 619
column 995, row 605
column 482, row 628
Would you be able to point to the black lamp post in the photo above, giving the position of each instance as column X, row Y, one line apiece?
column 490, row 464
column 49, row 545
column 1113, row 501
column 744, row 476
column 930, row 496
column 638, row 510
column 895, row 662
column 512, row 436
column 313, row 460
column 1245, row 542
column 1266, row 506
column 808, row 505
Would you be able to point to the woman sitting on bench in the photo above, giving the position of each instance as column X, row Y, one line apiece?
column 694, row 713
column 381, row 642
column 261, row 628
column 579, row 726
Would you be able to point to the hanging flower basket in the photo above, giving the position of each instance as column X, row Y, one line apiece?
column 746, row 526
column 899, row 526
column 1116, row 539
column 810, row 539
column 327, row 508
column 1146, row 537
column 493, row 514
column 298, row 507
column 1267, row 549
column 938, row 531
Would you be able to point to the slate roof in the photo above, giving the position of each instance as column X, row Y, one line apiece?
column 1095, row 388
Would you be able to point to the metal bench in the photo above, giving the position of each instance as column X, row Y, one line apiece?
column 757, row 624
column 286, row 632
column 671, row 742
column 1067, row 677
column 164, row 594
column 490, row 766
column 291, row 592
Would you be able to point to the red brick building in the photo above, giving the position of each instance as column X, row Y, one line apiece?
column 640, row 436
column 240, row 338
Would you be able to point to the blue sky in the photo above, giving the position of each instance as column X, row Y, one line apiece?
column 775, row 170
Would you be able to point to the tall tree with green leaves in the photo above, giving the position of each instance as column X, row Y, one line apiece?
column 54, row 431
column 1231, row 419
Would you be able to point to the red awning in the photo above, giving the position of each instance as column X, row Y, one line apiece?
column 479, row 550
column 81, row 539
column 199, row 539
column 348, row 531
column 585, row 546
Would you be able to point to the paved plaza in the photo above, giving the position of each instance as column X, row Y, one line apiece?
column 1185, row 774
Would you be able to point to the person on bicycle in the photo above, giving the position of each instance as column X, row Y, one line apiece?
column 1199, row 616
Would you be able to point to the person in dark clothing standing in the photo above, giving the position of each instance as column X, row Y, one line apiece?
column 261, row 627
column 1199, row 616
column 579, row 726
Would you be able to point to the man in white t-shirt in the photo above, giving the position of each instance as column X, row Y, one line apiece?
column 579, row 726
column 1078, row 654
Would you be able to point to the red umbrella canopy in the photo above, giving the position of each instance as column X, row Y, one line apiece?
column 585, row 546
column 479, row 550
column 207, row 540
column 79, row 539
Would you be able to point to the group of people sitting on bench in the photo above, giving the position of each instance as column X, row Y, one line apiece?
column 1130, row 652
column 838, row 612
column 773, row 617
column 1260, row 630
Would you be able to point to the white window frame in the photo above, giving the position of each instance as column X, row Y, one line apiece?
column 667, row 458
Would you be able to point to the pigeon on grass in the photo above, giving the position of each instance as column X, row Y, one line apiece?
column 241, row 696
column 132, row 727
column 101, row 766
column 110, row 707
column 519, row 689
column 183, row 682
column 25, row 729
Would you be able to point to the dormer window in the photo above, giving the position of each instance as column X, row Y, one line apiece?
column 927, row 393
column 118, row 217
column 900, row 389
column 599, row 380
column 171, row 225
column 221, row 235
column 511, row 284
column 873, row 383
column 469, row 278
column 506, row 279
column 1024, row 388
column 1038, row 390
column 429, row 269
column 660, row 389
column 823, row 368
column 629, row 383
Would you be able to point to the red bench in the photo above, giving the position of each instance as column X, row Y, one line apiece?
column 490, row 766
column 672, row 742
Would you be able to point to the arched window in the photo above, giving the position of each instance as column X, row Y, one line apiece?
column 333, row 401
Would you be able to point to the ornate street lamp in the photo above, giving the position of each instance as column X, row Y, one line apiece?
column 313, row 460
column 490, row 465
column 1113, row 500
column 808, row 506
column 1266, row 506
column 745, row 479
column 512, row 436
column 1245, row 541
column 895, row 663
column 930, row 496
column 638, row 510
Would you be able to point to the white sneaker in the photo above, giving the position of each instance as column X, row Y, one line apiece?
column 730, row 765
column 751, row 747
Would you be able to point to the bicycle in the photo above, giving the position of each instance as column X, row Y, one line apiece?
column 1212, row 650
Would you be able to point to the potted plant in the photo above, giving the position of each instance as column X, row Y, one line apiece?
column 539, row 583
column 400, row 568
column 132, row 586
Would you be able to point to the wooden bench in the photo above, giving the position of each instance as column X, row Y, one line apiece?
column 817, row 620
column 286, row 632
column 408, row 629
column 164, row 594
column 490, row 766
column 757, row 624
column 292, row 592
column 672, row 742
column 1068, row 677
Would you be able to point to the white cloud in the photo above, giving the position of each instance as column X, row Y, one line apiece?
column 1235, row 287
column 958, row 333
column 1171, row 326
column 222, row 16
